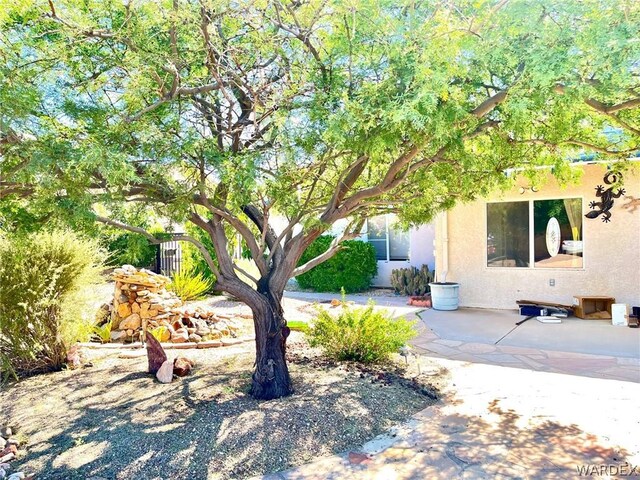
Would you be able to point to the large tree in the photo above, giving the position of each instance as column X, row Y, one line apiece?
column 228, row 114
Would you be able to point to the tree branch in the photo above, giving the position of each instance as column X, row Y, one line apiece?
column 351, row 232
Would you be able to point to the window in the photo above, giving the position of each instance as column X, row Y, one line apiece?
column 389, row 243
column 542, row 233
column 508, row 234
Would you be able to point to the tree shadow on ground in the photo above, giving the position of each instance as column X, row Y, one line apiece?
column 115, row 422
column 500, row 445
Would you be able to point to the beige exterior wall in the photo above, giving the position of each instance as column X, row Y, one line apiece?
column 611, row 263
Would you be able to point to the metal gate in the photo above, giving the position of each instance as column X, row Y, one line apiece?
column 169, row 256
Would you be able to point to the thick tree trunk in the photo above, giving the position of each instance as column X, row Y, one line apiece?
column 271, row 376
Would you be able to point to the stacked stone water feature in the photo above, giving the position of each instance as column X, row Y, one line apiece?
column 142, row 303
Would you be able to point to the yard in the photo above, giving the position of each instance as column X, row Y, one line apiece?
column 111, row 419
column 237, row 146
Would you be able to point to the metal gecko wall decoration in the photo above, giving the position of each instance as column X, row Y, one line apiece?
column 606, row 196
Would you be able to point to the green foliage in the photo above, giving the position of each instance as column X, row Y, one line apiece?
column 103, row 332
column 192, row 259
column 48, row 281
column 411, row 281
column 189, row 285
column 360, row 334
column 298, row 326
column 352, row 268
column 131, row 249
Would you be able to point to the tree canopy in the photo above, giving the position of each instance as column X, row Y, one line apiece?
column 228, row 114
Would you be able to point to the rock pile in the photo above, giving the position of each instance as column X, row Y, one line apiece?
column 142, row 303
column 8, row 452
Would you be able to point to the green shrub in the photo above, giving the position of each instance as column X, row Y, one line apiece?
column 360, row 334
column 189, row 285
column 192, row 258
column 131, row 249
column 47, row 282
column 298, row 326
column 411, row 281
column 352, row 268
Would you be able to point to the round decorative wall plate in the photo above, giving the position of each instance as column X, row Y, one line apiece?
column 553, row 237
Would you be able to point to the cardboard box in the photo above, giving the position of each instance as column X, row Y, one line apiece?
column 593, row 308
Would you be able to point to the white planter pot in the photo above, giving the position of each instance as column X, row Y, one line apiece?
column 444, row 295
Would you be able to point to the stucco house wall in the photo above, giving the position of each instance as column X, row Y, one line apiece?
column 421, row 252
column 611, row 257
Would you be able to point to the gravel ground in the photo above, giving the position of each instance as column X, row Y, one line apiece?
column 112, row 420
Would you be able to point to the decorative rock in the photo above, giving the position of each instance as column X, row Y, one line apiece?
column 135, row 307
column 214, row 334
column 7, row 458
column 3, row 443
column 180, row 335
column 129, row 332
column 165, row 372
column 155, row 354
column 194, row 338
column 10, row 449
column 182, row 366
column 6, row 432
column 202, row 332
column 16, row 476
column 124, row 310
column 357, row 458
column 117, row 335
column 132, row 322
column 184, row 346
column 210, row 344
column 13, row 441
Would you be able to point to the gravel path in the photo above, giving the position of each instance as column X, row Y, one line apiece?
column 114, row 421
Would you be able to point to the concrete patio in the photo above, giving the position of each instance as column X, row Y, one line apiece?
column 497, row 327
column 539, row 401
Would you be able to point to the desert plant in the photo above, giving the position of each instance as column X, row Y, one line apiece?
column 103, row 332
column 352, row 268
column 189, row 284
column 411, row 281
column 361, row 334
column 47, row 284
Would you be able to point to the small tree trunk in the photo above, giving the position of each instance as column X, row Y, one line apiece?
column 271, row 376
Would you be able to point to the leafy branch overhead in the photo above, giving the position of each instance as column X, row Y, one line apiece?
column 275, row 119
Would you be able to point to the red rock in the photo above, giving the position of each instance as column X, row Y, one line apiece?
column 11, row 448
column 182, row 366
column 356, row 458
column 180, row 335
column 155, row 354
